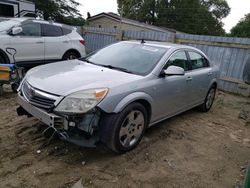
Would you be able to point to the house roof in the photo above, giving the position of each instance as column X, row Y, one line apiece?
column 116, row 17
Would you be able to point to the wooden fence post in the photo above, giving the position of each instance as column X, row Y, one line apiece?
column 120, row 35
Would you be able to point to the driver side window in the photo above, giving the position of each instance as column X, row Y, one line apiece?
column 31, row 29
column 179, row 59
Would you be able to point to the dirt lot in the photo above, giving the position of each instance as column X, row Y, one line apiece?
column 191, row 150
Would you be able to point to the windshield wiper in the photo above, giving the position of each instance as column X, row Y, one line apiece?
column 88, row 61
column 108, row 66
column 117, row 68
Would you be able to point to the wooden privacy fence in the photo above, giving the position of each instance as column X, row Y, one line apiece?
column 229, row 54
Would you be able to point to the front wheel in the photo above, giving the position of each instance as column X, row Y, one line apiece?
column 2, row 60
column 208, row 102
column 14, row 87
column 127, row 128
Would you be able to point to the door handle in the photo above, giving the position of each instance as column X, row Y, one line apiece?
column 189, row 78
column 39, row 42
column 210, row 74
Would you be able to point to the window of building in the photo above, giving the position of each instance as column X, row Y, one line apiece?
column 6, row 10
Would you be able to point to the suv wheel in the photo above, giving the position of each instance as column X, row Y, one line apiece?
column 127, row 128
column 70, row 55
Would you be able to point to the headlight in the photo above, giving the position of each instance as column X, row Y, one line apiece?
column 82, row 101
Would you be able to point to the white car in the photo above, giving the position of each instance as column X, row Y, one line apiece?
column 37, row 42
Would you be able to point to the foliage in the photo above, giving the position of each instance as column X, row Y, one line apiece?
column 64, row 11
column 242, row 29
column 190, row 16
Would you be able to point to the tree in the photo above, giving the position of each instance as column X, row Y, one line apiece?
column 64, row 11
column 242, row 29
column 191, row 16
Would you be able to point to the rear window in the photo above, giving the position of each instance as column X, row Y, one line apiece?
column 66, row 31
column 51, row 30
column 197, row 61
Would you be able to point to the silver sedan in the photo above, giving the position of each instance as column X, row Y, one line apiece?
column 114, row 94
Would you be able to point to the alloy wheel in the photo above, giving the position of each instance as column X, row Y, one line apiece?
column 210, row 98
column 132, row 128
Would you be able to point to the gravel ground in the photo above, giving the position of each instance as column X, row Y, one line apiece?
column 191, row 150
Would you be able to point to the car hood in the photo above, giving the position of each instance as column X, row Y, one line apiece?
column 66, row 77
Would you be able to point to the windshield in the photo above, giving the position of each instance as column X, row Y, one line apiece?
column 128, row 57
column 7, row 24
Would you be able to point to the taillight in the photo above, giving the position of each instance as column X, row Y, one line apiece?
column 82, row 42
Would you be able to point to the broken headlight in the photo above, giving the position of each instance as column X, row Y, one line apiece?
column 82, row 101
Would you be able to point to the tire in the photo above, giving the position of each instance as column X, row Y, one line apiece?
column 2, row 59
column 208, row 102
column 123, row 132
column 14, row 87
column 1, row 90
column 70, row 55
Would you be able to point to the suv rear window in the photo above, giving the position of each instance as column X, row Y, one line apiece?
column 51, row 30
column 66, row 31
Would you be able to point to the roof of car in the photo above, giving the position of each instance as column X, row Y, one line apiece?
column 23, row 19
column 16, row 19
column 160, row 44
column 166, row 45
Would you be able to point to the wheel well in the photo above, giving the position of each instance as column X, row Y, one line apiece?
column 3, row 54
column 74, row 51
column 147, row 105
column 214, row 85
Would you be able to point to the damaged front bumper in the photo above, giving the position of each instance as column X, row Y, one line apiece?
column 80, row 130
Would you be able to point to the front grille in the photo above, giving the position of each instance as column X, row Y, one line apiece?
column 37, row 97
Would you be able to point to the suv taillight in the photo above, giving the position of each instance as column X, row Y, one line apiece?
column 82, row 42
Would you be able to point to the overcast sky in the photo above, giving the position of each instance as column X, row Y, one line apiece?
column 238, row 9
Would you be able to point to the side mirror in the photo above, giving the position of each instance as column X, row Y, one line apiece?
column 16, row 30
column 174, row 71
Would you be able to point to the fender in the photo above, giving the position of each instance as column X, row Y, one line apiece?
column 213, row 81
column 131, row 98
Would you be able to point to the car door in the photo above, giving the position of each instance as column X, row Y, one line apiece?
column 200, row 75
column 29, row 44
column 171, row 91
column 56, row 44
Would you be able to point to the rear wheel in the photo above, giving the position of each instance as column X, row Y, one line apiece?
column 127, row 128
column 206, row 106
column 71, row 55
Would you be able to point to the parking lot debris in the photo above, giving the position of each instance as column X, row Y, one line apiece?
column 78, row 184
column 244, row 114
